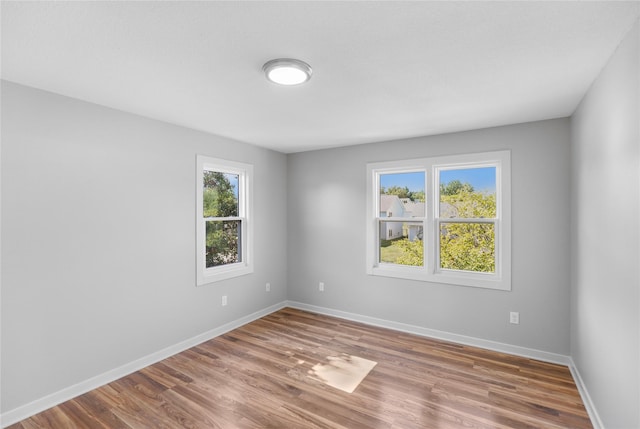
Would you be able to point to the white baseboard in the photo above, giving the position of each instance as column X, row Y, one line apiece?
column 586, row 398
column 13, row 416
column 440, row 335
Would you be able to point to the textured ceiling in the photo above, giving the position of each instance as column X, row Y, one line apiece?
column 381, row 70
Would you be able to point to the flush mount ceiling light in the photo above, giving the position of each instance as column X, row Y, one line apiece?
column 287, row 71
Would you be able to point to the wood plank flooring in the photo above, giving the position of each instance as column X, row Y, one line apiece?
column 257, row 376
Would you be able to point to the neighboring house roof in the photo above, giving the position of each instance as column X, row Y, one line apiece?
column 412, row 208
column 388, row 201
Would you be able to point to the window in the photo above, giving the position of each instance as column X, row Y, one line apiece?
column 442, row 219
column 223, row 222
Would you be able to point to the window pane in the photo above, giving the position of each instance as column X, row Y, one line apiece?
column 222, row 242
column 468, row 246
column 402, row 194
column 220, row 197
column 468, row 193
column 401, row 243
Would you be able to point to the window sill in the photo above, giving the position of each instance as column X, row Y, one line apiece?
column 223, row 273
column 484, row 281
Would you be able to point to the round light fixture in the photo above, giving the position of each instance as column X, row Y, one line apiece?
column 287, row 71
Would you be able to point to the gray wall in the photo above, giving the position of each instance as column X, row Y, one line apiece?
column 326, row 197
column 98, row 240
column 605, row 238
column 98, row 252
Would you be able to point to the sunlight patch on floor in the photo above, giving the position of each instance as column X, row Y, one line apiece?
column 344, row 372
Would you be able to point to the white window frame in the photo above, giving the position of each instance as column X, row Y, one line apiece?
column 244, row 172
column 430, row 271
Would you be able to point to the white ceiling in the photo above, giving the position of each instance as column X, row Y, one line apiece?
column 381, row 70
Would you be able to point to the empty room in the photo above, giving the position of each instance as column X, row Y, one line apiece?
column 320, row 214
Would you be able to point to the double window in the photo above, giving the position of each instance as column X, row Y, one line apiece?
column 223, row 219
column 441, row 219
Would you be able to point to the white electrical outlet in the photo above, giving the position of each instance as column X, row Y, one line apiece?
column 224, row 300
column 321, row 287
column 514, row 317
column 268, row 287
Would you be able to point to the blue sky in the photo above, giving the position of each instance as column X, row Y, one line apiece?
column 414, row 181
column 482, row 179
column 233, row 179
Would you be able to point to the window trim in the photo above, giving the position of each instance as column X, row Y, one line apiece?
column 430, row 271
column 206, row 275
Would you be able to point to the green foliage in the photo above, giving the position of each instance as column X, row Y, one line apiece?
column 417, row 196
column 222, row 242
column 403, row 192
column 463, row 246
column 219, row 196
column 471, row 204
column 455, row 187
column 222, row 237
column 389, row 251
column 468, row 246
column 412, row 252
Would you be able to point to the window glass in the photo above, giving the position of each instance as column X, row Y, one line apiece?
column 468, row 193
column 402, row 195
column 220, row 195
column 406, row 186
column 468, row 246
column 401, row 243
column 220, row 200
column 223, row 242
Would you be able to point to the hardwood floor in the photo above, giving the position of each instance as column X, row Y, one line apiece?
column 257, row 376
